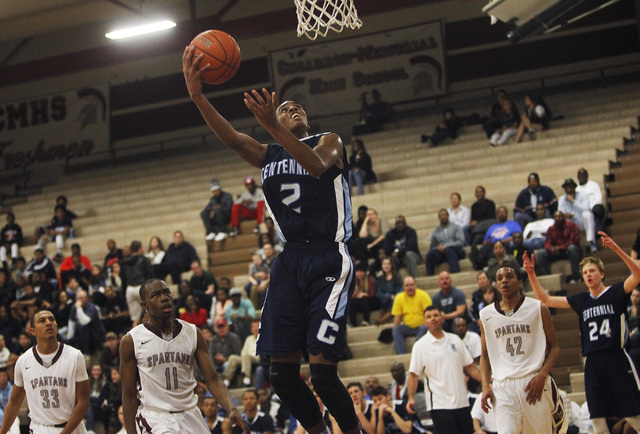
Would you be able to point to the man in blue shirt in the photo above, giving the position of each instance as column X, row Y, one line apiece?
column 503, row 231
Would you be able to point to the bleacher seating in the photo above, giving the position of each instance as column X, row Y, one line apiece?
column 157, row 197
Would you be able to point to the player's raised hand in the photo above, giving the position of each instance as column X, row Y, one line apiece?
column 192, row 75
column 487, row 400
column 607, row 241
column 535, row 388
column 263, row 107
column 529, row 263
column 236, row 420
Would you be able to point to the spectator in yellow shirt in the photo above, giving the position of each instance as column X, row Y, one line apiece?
column 408, row 314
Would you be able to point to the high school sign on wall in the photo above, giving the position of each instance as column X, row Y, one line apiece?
column 328, row 78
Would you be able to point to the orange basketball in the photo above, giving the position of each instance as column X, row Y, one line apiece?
column 221, row 52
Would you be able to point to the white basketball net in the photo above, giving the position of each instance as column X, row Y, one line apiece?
column 317, row 17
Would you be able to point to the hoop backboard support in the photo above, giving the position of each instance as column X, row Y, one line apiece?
column 317, row 17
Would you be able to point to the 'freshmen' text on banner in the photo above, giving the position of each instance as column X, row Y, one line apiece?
column 59, row 127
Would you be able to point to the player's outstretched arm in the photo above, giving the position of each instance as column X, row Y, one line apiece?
column 215, row 384
column 487, row 399
column 634, row 279
column 316, row 161
column 12, row 409
column 535, row 387
column 248, row 148
column 83, row 391
column 128, row 372
column 529, row 264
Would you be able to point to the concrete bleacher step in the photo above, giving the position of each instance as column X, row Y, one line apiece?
column 577, row 382
column 468, row 279
column 578, row 397
column 365, row 366
column 622, row 229
column 230, row 270
column 624, row 186
column 565, row 319
column 630, row 160
column 623, row 172
column 625, row 216
column 365, row 334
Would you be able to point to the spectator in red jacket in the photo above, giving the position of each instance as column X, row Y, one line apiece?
column 563, row 242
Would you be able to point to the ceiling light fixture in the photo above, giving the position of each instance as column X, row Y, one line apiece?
column 140, row 30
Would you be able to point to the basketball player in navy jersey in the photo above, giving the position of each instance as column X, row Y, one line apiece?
column 611, row 382
column 305, row 183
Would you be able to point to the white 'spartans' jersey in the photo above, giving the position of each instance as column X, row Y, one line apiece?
column 51, row 392
column 165, row 368
column 516, row 344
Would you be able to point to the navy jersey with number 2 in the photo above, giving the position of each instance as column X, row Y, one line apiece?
column 312, row 279
column 303, row 207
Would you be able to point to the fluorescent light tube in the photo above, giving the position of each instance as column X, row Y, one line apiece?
column 140, row 30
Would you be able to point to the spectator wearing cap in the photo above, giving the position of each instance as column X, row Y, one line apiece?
column 240, row 313
column 217, row 214
column 247, row 358
column 575, row 207
column 249, row 205
column 110, row 355
column 223, row 344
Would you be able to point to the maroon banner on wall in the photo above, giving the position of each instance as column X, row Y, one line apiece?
column 58, row 127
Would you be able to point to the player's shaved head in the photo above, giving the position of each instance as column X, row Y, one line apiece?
column 148, row 284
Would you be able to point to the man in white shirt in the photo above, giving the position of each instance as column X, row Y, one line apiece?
column 575, row 206
column 594, row 193
column 535, row 233
column 441, row 357
column 471, row 340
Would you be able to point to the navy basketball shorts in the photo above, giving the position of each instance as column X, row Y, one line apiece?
column 611, row 385
column 306, row 305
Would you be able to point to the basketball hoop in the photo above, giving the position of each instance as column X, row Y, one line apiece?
column 317, row 17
